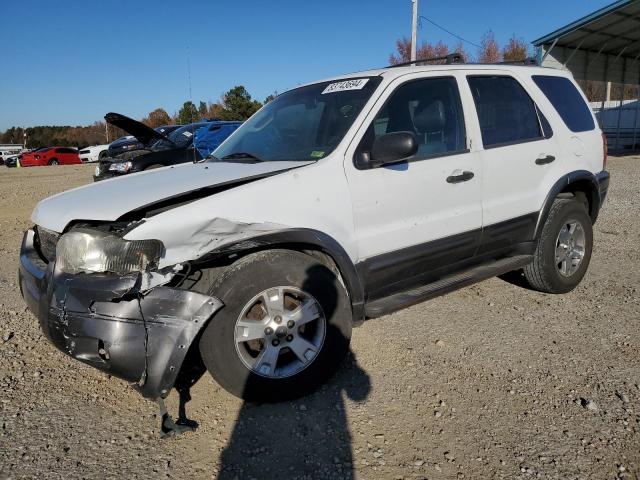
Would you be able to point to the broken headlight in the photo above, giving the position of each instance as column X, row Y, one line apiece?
column 122, row 167
column 92, row 251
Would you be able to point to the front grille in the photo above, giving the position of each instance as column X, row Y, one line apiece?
column 45, row 242
column 82, row 152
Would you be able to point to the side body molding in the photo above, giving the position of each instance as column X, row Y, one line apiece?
column 300, row 238
column 586, row 181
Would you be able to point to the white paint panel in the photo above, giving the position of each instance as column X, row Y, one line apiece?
column 109, row 199
column 314, row 197
column 409, row 204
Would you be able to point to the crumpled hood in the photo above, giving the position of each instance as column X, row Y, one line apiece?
column 110, row 199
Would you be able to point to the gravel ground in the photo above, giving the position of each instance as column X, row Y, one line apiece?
column 492, row 381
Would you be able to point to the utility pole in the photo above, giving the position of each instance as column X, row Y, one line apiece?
column 106, row 131
column 414, row 29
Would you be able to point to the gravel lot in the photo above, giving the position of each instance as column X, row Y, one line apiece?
column 492, row 381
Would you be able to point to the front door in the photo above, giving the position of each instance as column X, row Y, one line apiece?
column 415, row 218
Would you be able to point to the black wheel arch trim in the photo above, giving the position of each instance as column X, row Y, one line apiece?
column 298, row 239
column 583, row 176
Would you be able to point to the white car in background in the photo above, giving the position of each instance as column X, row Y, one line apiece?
column 93, row 154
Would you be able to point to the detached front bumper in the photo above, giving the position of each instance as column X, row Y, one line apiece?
column 104, row 321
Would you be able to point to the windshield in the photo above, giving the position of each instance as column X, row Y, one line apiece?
column 180, row 138
column 303, row 124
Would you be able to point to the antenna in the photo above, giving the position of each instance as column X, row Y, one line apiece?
column 189, row 72
column 193, row 137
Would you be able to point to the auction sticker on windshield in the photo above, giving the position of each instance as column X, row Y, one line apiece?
column 356, row 84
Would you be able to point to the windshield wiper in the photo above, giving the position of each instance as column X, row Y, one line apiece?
column 239, row 156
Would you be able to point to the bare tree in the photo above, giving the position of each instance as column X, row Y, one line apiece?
column 516, row 50
column 157, row 118
column 403, row 52
column 490, row 51
column 425, row 50
column 459, row 49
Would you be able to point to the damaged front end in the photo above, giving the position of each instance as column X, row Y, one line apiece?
column 131, row 324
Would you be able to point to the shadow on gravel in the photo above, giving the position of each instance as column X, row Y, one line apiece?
column 306, row 438
column 516, row 278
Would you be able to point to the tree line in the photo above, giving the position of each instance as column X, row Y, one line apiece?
column 489, row 51
column 516, row 50
column 236, row 104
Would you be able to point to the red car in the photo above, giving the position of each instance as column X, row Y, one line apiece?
column 50, row 156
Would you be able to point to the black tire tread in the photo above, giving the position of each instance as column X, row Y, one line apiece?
column 222, row 283
column 538, row 272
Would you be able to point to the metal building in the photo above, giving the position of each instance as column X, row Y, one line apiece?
column 603, row 47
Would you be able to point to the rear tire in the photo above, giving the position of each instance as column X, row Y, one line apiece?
column 305, row 347
column 564, row 248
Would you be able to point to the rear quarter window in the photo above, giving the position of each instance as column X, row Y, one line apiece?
column 567, row 101
column 506, row 112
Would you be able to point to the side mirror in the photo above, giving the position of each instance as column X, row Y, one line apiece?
column 391, row 148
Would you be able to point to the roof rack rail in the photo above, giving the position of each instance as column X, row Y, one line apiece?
column 449, row 59
column 526, row 61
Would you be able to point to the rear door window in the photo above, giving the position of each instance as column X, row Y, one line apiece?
column 567, row 101
column 506, row 113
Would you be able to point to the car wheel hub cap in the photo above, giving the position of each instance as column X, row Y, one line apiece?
column 280, row 332
column 570, row 248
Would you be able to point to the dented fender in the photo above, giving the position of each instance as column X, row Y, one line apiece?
column 109, row 323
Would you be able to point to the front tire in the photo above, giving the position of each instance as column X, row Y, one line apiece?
column 284, row 330
column 54, row 162
column 564, row 248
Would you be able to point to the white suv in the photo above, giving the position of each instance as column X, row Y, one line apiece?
column 338, row 201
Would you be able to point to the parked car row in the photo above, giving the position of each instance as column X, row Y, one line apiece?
column 39, row 157
column 144, row 148
column 137, row 141
column 161, row 147
column 10, row 151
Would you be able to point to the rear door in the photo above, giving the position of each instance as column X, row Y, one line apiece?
column 519, row 158
column 424, row 214
column 582, row 139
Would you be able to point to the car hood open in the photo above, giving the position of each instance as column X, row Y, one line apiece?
column 142, row 132
column 111, row 199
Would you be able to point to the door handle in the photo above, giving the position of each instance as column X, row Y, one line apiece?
column 545, row 160
column 463, row 177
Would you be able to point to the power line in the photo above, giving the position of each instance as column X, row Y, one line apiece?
column 449, row 32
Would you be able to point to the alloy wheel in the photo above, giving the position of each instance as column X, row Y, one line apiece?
column 280, row 332
column 570, row 247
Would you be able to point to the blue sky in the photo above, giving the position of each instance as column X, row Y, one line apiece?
column 70, row 62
